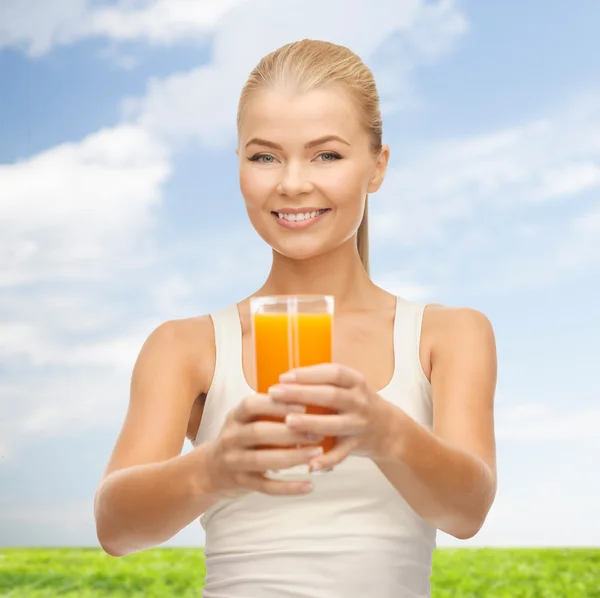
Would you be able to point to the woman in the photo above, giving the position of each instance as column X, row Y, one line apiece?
column 413, row 384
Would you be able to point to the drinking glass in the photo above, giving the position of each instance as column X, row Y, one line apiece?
column 291, row 331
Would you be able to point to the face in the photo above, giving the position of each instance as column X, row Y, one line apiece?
column 305, row 168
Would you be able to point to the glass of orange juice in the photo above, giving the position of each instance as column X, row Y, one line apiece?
column 291, row 331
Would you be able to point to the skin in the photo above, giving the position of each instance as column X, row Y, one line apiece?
column 149, row 491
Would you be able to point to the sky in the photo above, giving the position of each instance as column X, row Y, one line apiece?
column 120, row 208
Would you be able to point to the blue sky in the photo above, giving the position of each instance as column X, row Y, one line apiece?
column 120, row 208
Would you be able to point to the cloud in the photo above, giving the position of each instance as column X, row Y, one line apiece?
column 403, row 285
column 568, row 179
column 157, row 21
column 46, row 24
column 73, row 211
column 548, row 159
column 37, row 403
column 42, row 25
column 540, row 515
column 76, row 225
column 535, row 423
column 70, row 523
column 68, row 349
column 484, row 202
column 201, row 104
column 545, row 456
column 581, row 246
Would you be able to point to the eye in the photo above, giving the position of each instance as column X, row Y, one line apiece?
column 329, row 156
column 268, row 159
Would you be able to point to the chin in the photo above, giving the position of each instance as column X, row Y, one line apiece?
column 298, row 254
column 298, row 251
column 297, row 246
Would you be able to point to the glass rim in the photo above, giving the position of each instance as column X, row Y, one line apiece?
column 300, row 298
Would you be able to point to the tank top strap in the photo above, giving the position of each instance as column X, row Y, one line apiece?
column 228, row 347
column 407, row 341
column 227, row 385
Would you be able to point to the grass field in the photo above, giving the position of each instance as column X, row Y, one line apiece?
column 179, row 572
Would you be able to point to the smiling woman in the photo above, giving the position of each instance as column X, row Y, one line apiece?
column 409, row 394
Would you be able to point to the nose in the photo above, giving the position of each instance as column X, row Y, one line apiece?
column 294, row 181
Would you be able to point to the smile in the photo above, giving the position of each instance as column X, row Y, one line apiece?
column 301, row 220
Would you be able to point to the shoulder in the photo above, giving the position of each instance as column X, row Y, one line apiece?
column 456, row 320
column 186, row 345
column 457, row 330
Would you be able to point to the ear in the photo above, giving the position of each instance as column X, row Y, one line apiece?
column 380, row 169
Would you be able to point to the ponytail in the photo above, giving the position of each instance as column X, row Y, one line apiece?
column 362, row 238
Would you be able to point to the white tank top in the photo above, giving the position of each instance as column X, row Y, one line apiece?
column 353, row 535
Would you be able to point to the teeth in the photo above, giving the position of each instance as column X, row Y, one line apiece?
column 299, row 217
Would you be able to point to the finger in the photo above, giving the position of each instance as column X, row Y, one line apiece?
column 260, row 483
column 325, row 425
column 273, row 433
column 324, row 373
column 257, row 405
column 335, row 456
column 332, row 397
column 261, row 460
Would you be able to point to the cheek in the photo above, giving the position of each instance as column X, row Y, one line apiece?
column 346, row 188
column 254, row 187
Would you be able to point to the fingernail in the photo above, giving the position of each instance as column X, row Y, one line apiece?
column 315, row 467
column 307, row 487
column 287, row 377
column 316, row 451
column 297, row 408
column 314, row 437
column 276, row 392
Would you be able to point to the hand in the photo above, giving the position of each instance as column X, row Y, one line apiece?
column 236, row 467
column 361, row 414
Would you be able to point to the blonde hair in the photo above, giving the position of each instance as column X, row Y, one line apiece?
column 310, row 64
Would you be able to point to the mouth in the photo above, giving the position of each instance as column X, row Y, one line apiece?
column 300, row 220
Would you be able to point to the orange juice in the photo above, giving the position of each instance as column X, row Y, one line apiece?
column 283, row 341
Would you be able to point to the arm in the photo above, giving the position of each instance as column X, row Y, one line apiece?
column 448, row 476
column 149, row 491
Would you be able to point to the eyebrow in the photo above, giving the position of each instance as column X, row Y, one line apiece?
column 309, row 145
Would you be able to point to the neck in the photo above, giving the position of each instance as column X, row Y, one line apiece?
column 339, row 273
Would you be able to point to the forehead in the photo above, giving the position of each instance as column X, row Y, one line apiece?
column 310, row 114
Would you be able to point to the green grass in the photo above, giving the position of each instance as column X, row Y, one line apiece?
column 179, row 572
column 516, row 573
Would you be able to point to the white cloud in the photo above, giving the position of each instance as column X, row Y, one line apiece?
column 551, row 159
column 73, row 211
column 157, row 21
column 555, row 157
column 74, row 513
column 568, row 180
column 73, row 219
column 581, row 246
column 540, row 515
column 535, row 423
column 202, row 103
column 546, row 455
column 67, row 402
column 403, row 286
column 482, row 203
column 44, row 24
column 70, row 350
column 70, row 523
column 40, row 25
